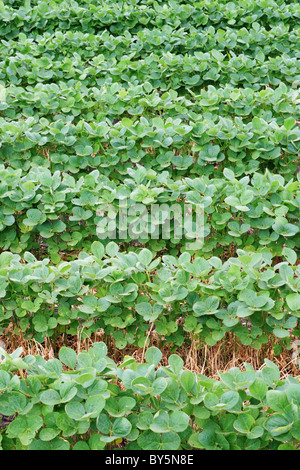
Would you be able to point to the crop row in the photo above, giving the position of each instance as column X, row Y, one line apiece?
column 114, row 101
column 134, row 15
column 163, row 71
column 127, row 294
column 273, row 40
column 200, row 145
column 68, row 214
column 95, row 405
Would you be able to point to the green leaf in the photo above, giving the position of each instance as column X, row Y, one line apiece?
column 179, row 421
column 170, row 441
column 81, row 445
column 289, row 123
column 153, row 355
column 160, row 422
column 50, row 397
column 277, row 400
column 278, row 424
column 121, row 427
column 95, row 442
column 243, row 423
column 4, row 380
column 95, row 405
column 112, row 249
column 145, row 257
column 290, row 255
column 293, row 301
column 258, row 389
column 24, row 428
column 97, row 249
column 176, row 363
column 149, row 440
column 47, row 434
column 68, row 357
column 75, row 410
column 188, row 381
column 34, row 216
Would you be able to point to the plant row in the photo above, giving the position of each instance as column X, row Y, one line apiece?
column 78, row 102
column 134, row 15
column 65, row 214
column 198, row 145
column 128, row 295
column 164, row 70
column 270, row 40
column 86, row 402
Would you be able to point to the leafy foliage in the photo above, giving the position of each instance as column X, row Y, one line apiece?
column 152, row 408
column 153, row 103
column 246, row 295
